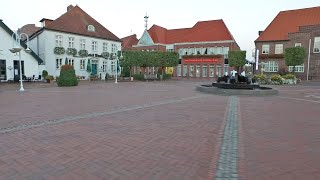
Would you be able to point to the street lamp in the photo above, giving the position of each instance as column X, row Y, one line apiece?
column 17, row 49
column 116, row 57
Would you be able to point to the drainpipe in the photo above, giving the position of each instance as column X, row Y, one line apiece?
column 308, row 69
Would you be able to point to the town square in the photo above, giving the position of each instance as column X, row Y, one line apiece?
column 83, row 99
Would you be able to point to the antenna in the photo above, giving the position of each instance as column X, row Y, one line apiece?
column 146, row 20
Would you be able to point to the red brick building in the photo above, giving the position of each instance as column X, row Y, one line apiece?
column 203, row 49
column 291, row 28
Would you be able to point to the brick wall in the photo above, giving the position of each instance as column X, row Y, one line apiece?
column 303, row 36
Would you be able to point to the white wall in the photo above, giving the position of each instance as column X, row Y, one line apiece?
column 30, row 63
column 47, row 44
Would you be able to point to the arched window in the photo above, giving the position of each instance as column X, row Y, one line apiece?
column 91, row 28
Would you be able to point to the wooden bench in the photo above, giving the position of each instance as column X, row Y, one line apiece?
column 150, row 76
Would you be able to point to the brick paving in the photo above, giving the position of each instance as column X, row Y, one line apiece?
column 156, row 130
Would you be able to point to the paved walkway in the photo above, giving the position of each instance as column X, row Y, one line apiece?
column 157, row 130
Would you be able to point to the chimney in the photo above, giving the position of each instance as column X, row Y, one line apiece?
column 69, row 7
column 45, row 22
column 260, row 32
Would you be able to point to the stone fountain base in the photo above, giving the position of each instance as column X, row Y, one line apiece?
column 237, row 89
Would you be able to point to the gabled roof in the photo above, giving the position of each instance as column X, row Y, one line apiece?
column 289, row 22
column 29, row 29
column 202, row 31
column 10, row 32
column 129, row 41
column 76, row 21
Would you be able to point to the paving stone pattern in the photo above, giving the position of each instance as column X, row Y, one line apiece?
column 227, row 164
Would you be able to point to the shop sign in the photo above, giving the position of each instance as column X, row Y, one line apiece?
column 201, row 60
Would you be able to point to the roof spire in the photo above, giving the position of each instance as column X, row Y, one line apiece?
column 146, row 20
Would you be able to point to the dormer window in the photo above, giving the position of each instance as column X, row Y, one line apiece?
column 91, row 28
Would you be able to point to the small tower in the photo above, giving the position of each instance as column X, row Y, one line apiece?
column 146, row 20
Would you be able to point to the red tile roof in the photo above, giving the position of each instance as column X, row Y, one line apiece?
column 203, row 31
column 129, row 41
column 76, row 21
column 29, row 29
column 288, row 22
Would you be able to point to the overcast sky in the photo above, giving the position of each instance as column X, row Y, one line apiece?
column 125, row 17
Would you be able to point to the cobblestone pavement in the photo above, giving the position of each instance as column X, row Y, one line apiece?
column 157, row 130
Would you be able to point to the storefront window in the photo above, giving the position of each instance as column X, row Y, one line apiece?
column 226, row 68
column 219, row 70
column 185, row 70
column 211, row 71
column 191, row 70
column 179, row 70
column 198, row 70
column 204, row 70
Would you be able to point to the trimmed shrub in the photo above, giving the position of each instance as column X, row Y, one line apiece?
column 44, row 74
column 260, row 78
column 139, row 77
column 67, row 76
column 289, row 76
column 165, row 76
column 276, row 79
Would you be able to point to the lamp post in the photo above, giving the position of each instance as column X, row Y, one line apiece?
column 17, row 49
column 116, row 57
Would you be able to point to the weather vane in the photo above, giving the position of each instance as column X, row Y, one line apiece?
column 146, row 20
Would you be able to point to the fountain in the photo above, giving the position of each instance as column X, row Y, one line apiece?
column 236, row 85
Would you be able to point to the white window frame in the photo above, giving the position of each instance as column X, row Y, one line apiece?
column 185, row 70
column 226, row 68
column 82, row 44
column 71, row 61
column 265, row 49
column 113, row 66
column 179, row 67
column 297, row 45
column 105, row 47
column 91, row 28
column 104, row 66
column 204, row 70
column 191, row 70
column 71, row 42
column 211, row 70
column 58, row 63
column 271, row 66
column 219, row 71
column 278, row 49
column 82, row 64
column 59, row 41
column 94, row 46
column 299, row 68
column 113, row 48
column 198, row 70
column 316, row 45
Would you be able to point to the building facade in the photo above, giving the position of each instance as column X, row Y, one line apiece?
column 282, row 33
column 203, row 49
column 82, row 42
column 9, row 62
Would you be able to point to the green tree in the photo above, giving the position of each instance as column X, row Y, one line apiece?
column 67, row 76
column 294, row 56
column 237, row 59
column 149, row 59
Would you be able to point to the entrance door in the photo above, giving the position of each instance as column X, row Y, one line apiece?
column 94, row 69
column 3, row 71
column 16, row 70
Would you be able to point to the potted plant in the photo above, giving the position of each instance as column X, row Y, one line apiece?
column 49, row 78
column 44, row 74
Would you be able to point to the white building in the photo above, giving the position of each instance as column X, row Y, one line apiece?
column 9, row 62
column 76, row 38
